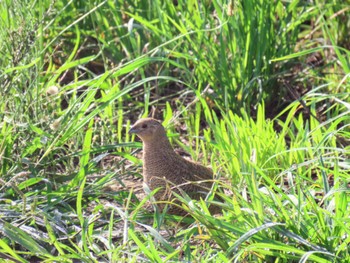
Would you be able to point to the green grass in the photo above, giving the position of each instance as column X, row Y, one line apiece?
column 257, row 89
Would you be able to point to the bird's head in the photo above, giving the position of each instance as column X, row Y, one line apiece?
column 148, row 129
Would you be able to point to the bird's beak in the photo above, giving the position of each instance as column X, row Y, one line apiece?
column 133, row 130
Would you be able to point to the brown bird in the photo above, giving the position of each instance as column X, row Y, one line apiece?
column 162, row 167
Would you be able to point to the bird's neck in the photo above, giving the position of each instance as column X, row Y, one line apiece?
column 157, row 149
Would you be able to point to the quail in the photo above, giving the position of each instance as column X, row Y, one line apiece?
column 164, row 169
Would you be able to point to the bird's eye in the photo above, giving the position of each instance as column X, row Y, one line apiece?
column 144, row 126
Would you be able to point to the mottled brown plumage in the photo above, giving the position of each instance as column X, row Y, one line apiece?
column 162, row 167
